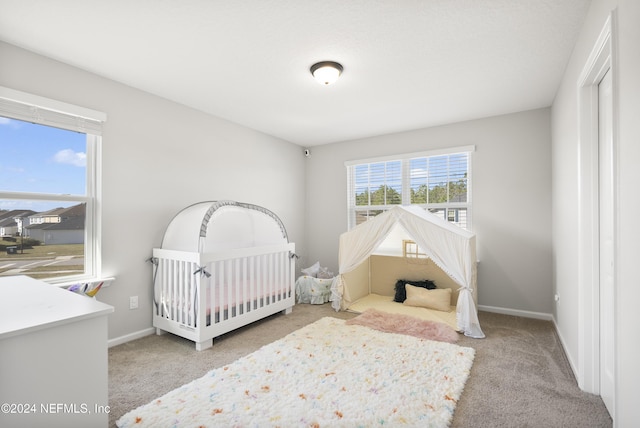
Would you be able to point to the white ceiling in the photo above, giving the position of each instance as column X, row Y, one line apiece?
column 408, row 64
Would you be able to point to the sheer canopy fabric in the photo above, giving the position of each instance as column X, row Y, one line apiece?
column 451, row 248
column 223, row 225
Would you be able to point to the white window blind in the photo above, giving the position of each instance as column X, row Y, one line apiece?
column 439, row 181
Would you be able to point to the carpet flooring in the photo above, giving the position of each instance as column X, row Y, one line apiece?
column 520, row 375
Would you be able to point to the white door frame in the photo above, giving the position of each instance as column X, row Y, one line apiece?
column 599, row 62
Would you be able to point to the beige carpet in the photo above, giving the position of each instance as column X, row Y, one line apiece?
column 520, row 376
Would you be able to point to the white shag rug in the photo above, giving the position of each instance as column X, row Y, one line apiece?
column 326, row 374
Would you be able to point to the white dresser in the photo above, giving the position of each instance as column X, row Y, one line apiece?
column 53, row 356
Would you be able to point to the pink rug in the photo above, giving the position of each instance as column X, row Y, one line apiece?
column 405, row 324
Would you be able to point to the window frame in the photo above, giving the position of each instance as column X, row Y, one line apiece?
column 405, row 160
column 47, row 112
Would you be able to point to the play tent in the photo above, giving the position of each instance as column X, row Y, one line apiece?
column 451, row 248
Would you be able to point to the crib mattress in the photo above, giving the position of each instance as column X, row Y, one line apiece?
column 386, row 304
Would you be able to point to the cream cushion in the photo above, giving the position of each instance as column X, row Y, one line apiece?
column 438, row 299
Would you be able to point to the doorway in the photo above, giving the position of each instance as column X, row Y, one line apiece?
column 596, row 368
column 606, row 232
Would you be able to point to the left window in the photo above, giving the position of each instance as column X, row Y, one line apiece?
column 49, row 188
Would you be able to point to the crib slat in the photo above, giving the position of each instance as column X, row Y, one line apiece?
column 252, row 283
column 237, row 298
column 259, row 281
column 192, row 281
column 272, row 277
column 264, row 273
column 177, row 291
column 180, row 291
column 172, row 290
column 245, row 297
column 163, row 275
column 228, row 285
column 220, row 290
column 166, row 283
column 279, row 283
column 231, row 288
column 179, row 284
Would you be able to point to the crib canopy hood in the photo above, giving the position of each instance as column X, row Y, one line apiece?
column 451, row 248
column 222, row 225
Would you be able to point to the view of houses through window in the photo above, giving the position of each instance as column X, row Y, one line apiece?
column 43, row 244
column 45, row 200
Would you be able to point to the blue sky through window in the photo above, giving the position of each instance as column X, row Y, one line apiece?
column 40, row 159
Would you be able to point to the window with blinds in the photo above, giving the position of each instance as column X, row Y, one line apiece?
column 49, row 188
column 438, row 181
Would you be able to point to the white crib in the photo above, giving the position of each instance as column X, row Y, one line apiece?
column 243, row 271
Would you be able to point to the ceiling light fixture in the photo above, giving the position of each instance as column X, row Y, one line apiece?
column 326, row 72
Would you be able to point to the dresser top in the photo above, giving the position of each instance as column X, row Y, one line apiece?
column 27, row 304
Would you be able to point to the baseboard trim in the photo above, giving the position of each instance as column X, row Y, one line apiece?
column 516, row 312
column 129, row 337
column 572, row 363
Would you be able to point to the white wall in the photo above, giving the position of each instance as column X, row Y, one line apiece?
column 511, row 200
column 157, row 158
column 565, row 153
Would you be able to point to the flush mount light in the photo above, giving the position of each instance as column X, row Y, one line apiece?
column 326, row 72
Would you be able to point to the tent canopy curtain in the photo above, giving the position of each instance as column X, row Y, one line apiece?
column 451, row 248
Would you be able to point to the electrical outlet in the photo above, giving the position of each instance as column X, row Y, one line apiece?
column 133, row 302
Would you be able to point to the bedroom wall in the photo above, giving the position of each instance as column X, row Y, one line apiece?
column 158, row 157
column 626, row 63
column 511, row 197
